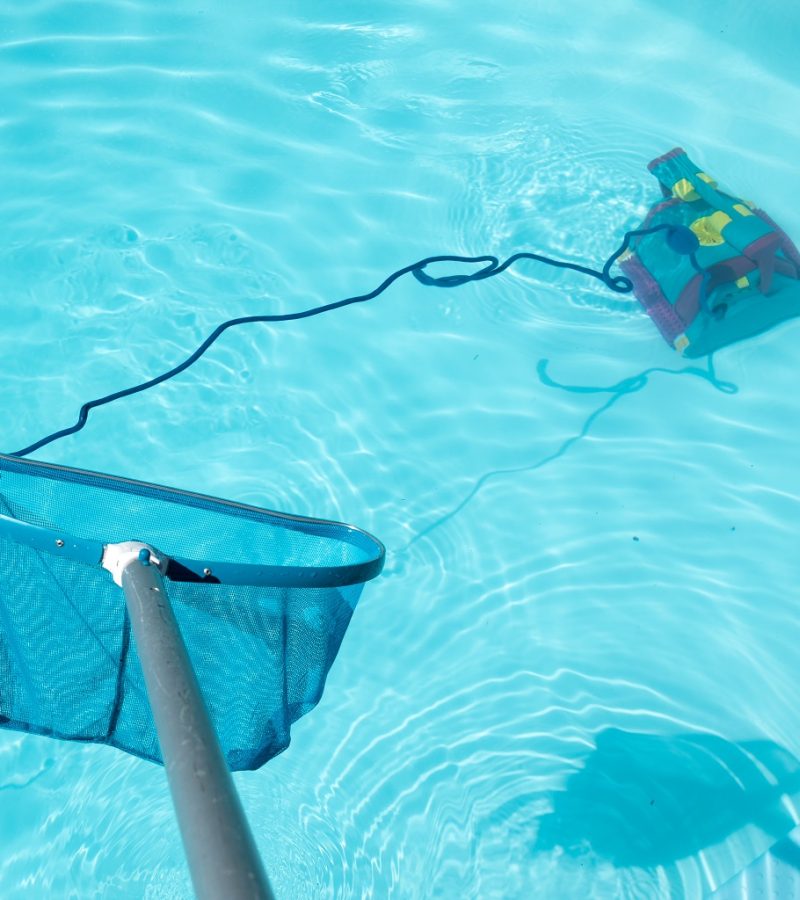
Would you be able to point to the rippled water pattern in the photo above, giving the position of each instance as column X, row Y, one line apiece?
column 578, row 676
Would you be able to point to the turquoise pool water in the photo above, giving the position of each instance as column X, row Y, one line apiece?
column 578, row 675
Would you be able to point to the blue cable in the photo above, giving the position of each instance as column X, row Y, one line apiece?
column 618, row 284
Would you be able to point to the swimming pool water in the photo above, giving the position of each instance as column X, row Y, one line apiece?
column 577, row 677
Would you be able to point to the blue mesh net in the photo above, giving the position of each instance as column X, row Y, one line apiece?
column 262, row 599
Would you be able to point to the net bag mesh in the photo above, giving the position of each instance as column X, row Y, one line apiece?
column 261, row 651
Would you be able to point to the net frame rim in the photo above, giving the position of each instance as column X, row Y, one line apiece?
column 89, row 551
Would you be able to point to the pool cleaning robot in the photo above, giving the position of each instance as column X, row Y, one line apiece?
column 709, row 268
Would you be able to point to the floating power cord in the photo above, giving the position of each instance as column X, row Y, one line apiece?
column 679, row 238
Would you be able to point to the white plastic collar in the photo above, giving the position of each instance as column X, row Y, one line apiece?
column 117, row 558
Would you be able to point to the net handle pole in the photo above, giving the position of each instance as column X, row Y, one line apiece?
column 220, row 850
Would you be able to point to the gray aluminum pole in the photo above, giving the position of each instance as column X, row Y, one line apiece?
column 222, row 856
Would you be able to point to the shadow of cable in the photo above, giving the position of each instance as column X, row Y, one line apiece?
column 616, row 391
